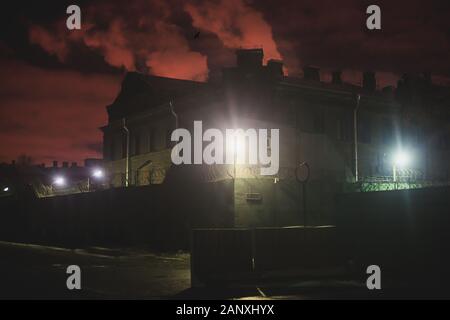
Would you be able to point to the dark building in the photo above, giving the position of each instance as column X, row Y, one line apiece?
column 316, row 122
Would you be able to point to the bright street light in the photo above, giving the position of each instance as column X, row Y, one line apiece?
column 59, row 181
column 402, row 159
column 98, row 173
column 236, row 147
column 5, row 189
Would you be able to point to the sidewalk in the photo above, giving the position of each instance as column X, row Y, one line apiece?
column 39, row 272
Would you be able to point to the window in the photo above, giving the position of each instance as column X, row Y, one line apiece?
column 420, row 134
column 168, row 138
column 110, row 149
column 136, row 142
column 151, row 140
column 345, row 128
column 444, row 141
column 387, row 132
column 413, row 134
column 318, row 122
column 364, row 130
column 124, row 146
column 116, row 146
column 292, row 115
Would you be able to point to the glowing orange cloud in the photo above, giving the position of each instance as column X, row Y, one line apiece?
column 127, row 39
column 236, row 25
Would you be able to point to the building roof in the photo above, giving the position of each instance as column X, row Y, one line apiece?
column 144, row 93
column 140, row 92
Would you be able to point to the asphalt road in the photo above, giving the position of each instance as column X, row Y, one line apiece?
column 29, row 271
column 39, row 272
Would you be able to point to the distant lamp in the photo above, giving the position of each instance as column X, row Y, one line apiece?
column 5, row 189
column 59, row 181
column 401, row 160
column 98, row 174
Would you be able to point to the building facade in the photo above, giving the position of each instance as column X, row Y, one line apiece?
column 318, row 122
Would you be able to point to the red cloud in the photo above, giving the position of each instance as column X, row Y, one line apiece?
column 113, row 45
column 236, row 25
column 126, row 35
column 145, row 32
column 52, row 114
column 48, row 42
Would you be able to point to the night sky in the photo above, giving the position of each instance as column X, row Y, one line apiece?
column 55, row 83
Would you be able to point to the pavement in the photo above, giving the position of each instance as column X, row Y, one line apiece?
column 30, row 271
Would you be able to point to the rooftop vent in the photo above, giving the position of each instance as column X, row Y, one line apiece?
column 249, row 58
column 369, row 81
column 336, row 77
column 275, row 67
column 311, row 73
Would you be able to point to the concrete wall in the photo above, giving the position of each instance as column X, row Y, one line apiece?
column 405, row 232
column 281, row 203
column 157, row 216
column 242, row 255
column 150, row 173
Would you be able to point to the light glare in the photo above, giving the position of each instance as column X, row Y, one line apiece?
column 59, row 181
column 98, row 173
column 402, row 159
column 237, row 148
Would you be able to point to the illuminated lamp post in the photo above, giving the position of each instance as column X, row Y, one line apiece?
column 401, row 159
column 59, row 181
column 97, row 174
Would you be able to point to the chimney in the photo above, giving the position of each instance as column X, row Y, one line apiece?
column 55, row 164
column 336, row 77
column 311, row 73
column 65, row 164
column 275, row 67
column 249, row 58
column 369, row 81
